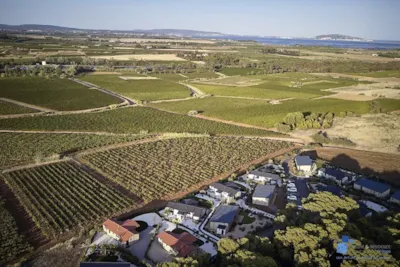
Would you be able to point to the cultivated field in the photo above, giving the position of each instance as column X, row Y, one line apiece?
column 61, row 196
column 146, row 57
column 54, row 93
column 144, row 40
column 7, row 108
column 129, row 120
column 140, row 89
column 155, row 169
column 261, row 113
column 234, row 81
column 24, row 148
column 12, row 243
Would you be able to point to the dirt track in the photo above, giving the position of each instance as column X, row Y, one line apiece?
column 38, row 108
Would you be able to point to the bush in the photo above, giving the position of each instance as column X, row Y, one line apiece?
column 283, row 127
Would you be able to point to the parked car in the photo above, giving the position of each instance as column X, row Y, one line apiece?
column 292, row 197
column 292, row 189
column 291, row 185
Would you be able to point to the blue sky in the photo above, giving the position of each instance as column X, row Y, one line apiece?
column 370, row 19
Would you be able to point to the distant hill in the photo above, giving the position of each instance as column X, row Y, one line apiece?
column 27, row 28
column 338, row 37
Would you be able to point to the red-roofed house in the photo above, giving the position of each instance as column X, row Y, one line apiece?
column 124, row 232
column 180, row 245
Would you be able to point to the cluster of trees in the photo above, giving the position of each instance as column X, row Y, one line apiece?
column 41, row 71
column 312, row 235
column 271, row 50
column 390, row 54
column 322, row 137
column 313, row 121
column 191, row 55
column 282, row 64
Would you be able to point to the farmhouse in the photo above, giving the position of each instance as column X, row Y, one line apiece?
column 264, row 177
column 180, row 245
column 338, row 176
column 182, row 211
column 223, row 192
column 395, row 197
column 373, row 206
column 223, row 218
column 303, row 163
column 371, row 187
column 263, row 195
column 124, row 232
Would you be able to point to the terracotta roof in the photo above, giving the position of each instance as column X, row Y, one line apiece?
column 181, row 243
column 125, row 230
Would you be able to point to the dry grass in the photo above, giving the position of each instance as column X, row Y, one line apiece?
column 148, row 57
column 362, row 57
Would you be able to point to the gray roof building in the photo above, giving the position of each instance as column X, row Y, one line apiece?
column 303, row 161
column 272, row 176
column 265, row 191
column 105, row 264
column 184, row 208
column 225, row 214
column 223, row 188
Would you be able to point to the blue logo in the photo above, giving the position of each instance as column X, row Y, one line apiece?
column 343, row 246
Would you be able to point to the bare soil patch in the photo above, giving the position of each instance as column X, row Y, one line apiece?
column 385, row 166
column 148, row 57
column 137, row 78
column 354, row 97
column 237, row 81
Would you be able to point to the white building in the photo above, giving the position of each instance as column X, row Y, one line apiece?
column 374, row 206
column 264, row 177
column 183, row 211
column 338, row 176
column 223, row 192
column 395, row 198
column 303, row 163
column 371, row 187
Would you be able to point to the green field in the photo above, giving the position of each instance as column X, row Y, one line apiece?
column 278, row 86
column 380, row 74
column 12, row 243
column 204, row 75
column 54, row 93
column 7, row 108
column 239, row 71
column 261, row 113
column 23, row 148
column 140, row 89
column 129, row 120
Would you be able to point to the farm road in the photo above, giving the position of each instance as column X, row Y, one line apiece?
column 38, row 108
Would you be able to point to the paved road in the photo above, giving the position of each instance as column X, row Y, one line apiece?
column 139, row 249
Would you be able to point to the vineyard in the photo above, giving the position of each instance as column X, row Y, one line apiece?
column 11, row 242
column 54, row 93
column 9, row 108
column 23, row 148
column 140, row 89
column 261, row 113
column 130, row 120
column 155, row 169
column 61, row 196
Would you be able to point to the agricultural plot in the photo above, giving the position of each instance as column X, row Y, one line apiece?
column 204, row 75
column 24, row 148
column 155, row 169
column 11, row 242
column 7, row 108
column 278, row 86
column 140, row 89
column 261, row 113
column 234, row 81
column 61, row 196
column 380, row 74
column 55, row 93
column 239, row 71
column 129, row 120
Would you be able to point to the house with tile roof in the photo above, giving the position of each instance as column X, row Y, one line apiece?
column 125, row 231
column 181, row 245
column 378, row 189
column 222, row 219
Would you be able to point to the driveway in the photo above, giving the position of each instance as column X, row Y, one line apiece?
column 158, row 254
column 139, row 249
column 302, row 188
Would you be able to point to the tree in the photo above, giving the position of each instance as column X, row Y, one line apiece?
column 283, row 127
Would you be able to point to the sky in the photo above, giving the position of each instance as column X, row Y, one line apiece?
column 370, row 19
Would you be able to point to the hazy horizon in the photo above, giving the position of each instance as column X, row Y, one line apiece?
column 366, row 19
